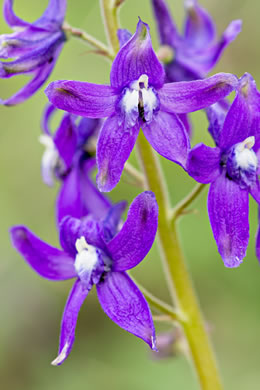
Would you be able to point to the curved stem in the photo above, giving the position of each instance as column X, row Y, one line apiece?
column 178, row 277
column 109, row 12
column 185, row 203
column 87, row 38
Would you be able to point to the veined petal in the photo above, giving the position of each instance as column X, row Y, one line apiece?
column 242, row 119
column 115, row 145
column 65, row 139
column 199, row 29
column 37, row 81
column 79, row 196
column 136, row 58
column 47, row 114
column 112, row 220
column 69, row 321
column 168, row 137
column 81, row 98
column 72, row 228
column 124, row 304
column 228, row 214
column 47, row 261
column 137, row 235
column 204, row 163
column 216, row 116
column 255, row 191
column 10, row 16
column 188, row 96
column 123, row 36
column 166, row 27
column 54, row 13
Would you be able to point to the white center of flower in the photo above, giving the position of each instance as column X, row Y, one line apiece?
column 244, row 155
column 50, row 159
column 86, row 258
column 140, row 99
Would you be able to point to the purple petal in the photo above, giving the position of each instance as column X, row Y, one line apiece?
column 216, row 116
column 136, row 58
column 258, row 237
column 123, row 36
column 79, row 196
column 166, row 27
column 72, row 228
column 80, row 98
column 255, row 191
column 186, row 123
column 87, row 128
column 37, row 81
column 47, row 114
column 137, row 235
column 112, row 220
column 204, row 163
column 47, row 261
column 69, row 321
column 199, row 30
column 168, row 137
column 228, row 214
column 124, row 304
column 54, row 14
column 10, row 16
column 188, row 96
column 115, row 145
column 65, row 139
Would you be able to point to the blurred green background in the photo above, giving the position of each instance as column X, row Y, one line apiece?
column 31, row 308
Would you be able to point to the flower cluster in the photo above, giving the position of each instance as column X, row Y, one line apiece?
column 99, row 129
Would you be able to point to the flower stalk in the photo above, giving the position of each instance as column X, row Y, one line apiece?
column 177, row 274
column 110, row 17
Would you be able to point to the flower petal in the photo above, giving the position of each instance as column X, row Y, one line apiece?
column 255, row 191
column 199, row 29
column 216, row 116
column 81, row 98
column 47, row 261
column 167, row 30
column 137, row 235
column 69, row 321
column 65, row 139
column 188, row 96
column 242, row 119
column 79, row 196
column 168, row 137
column 258, row 237
column 123, row 36
column 112, row 220
column 54, row 14
column 47, row 114
column 124, row 304
column 37, row 81
column 114, row 147
column 204, row 163
column 72, row 228
column 10, row 16
column 135, row 58
column 228, row 214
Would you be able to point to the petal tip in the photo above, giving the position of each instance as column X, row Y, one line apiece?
column 232, row 262
column 62, row 356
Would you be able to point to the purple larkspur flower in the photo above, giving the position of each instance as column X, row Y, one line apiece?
column 35, row 47
column 232, row 168
column 138, row 97
column 68, row 158
column 197, row 51
column 95, row 252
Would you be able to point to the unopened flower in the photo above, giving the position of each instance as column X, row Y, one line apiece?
column 68, row 158
column 197, row 50
column 35, row 47
column 97, row 253
column 232, row 168
column 138, row 97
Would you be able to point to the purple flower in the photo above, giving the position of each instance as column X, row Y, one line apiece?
column 232, row 168
column 68, row 158
column 96, row 253
column 197, row 50
column 35, row 47
column 138, row 97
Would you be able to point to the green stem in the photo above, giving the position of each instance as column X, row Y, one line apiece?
column 109, row 12
column 178, row 277
column 185, row 203
column 87, row 38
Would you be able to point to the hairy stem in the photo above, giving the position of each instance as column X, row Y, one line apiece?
column 87, row 38
column 177, row 274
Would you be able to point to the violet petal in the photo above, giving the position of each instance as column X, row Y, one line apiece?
column 69, row 321
column 188, row 96
column 47, row 261
column 204, row 163
column 65, row 139
column 228, row 214
column 129, row 247
column 124, row 304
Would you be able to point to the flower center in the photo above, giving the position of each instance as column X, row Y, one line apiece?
column 139, row 101
column 51, row 162
column 89, row 263
column 242, row 163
